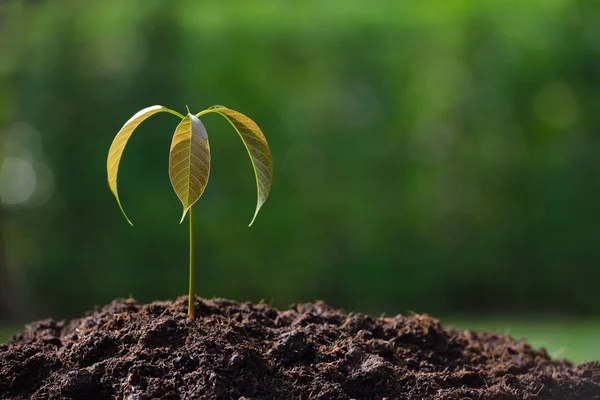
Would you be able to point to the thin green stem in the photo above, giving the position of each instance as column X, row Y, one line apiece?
column 192, row 268
column 201, row 113
column 174, row 113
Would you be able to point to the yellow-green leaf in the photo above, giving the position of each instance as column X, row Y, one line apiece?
column 118, row 145
column 258, row 150
column 189, row 161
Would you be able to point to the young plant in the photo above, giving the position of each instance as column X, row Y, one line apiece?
column 189, row 162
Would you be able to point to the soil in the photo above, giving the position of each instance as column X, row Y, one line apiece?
column 244, row 351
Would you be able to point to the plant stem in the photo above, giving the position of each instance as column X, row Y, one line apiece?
column 192, row 269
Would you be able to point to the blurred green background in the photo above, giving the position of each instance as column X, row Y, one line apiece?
column 433, row 156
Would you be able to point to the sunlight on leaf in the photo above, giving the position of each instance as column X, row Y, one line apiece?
column 189, row 161
column 118, row 145
column 257, row 147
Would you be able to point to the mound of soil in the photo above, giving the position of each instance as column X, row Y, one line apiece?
column 244, row 351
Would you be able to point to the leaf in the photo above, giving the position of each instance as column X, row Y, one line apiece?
column 258, row 150
column 118, row 145
column 189, row 161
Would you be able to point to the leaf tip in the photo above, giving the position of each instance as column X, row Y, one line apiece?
column 122, row 210
column 185, row 210
column 126, row 217
column 254, row 217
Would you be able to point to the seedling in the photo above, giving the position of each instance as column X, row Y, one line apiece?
column 189, row 162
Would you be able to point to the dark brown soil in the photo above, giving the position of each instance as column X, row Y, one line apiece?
column 245, row 351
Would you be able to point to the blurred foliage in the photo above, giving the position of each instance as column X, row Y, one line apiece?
column 433, row 156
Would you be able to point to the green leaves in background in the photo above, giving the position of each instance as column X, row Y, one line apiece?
column 257, row 147
column 466, row 177
column 189, row 161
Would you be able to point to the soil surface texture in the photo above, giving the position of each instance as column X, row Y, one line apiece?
column 245, row 351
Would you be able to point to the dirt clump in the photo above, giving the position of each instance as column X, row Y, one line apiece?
column 250, row 351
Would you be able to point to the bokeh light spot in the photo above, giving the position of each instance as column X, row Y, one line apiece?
column 556, row 105
column 17, row 180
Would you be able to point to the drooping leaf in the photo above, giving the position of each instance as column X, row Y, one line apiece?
column 258, row 149
column 189, row 161
column 118, row 145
